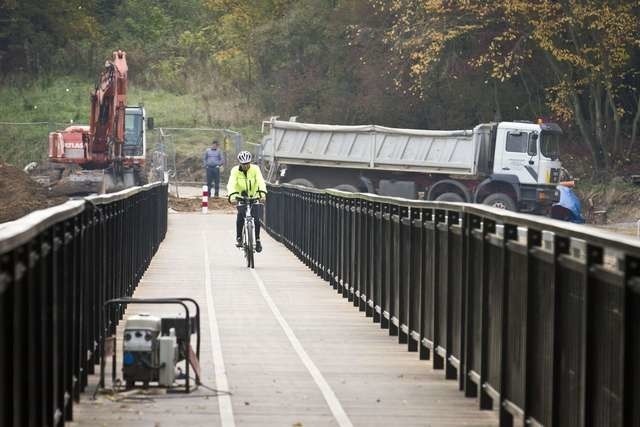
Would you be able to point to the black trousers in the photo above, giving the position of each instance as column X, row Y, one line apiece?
column 560, row 212
column 213, row 176
column 256, row 213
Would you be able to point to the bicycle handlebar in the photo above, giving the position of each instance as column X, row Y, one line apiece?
column 245, row 199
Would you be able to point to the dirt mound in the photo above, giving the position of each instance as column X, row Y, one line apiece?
column 619, row 200
column 189, row 168
column 194, row 204
column 20, row 195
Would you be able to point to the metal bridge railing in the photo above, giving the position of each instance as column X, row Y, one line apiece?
column 57, row 268
column 537, row 318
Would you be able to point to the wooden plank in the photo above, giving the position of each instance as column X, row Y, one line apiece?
column 376, row 381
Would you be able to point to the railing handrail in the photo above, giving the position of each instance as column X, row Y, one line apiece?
column 21, row 230
column 564, row 228
column 123, row 194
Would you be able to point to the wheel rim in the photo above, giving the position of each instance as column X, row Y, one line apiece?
column 500, row 204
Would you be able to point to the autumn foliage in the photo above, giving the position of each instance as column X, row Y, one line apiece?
column 408, row 63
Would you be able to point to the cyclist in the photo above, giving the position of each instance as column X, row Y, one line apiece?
column 246, row 180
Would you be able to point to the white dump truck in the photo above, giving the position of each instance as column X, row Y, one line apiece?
column 512, row 165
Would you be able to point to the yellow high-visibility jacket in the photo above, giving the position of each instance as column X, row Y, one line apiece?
column 250, row 181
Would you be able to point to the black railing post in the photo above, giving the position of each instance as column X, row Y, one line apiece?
column 493, row 316
column 358, row 254
column 474, row 268
column 336, row 242
column 455, row 296
column 67, row 285
column 20, row 393
column 632, row 342
column 315, row 226
column 314, row 221
column 46, row 325
column 35, row 373
column 514, row 326
column 424, row 319
column 348, row 288
column 377, row 263
column 76, row 298
column 416, row 260
column 393, row 263
column 405, row 276
column 385, row 260
column 6, row 358
column 365, row 258
column 341, row 250
column 57, row 331
column 324, row 232
column 439, row 280
column 541, row 329
column 369, row 267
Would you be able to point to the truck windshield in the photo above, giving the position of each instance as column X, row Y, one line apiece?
column 550, row 144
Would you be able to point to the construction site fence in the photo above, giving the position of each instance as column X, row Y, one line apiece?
column 57, row 268
column 536, row 318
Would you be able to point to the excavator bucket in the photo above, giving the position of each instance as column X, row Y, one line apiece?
column 79, row 182
column 85, row 182
column 112, row 183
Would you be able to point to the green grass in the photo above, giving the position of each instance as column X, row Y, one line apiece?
column 66, row 100
column 54, row 104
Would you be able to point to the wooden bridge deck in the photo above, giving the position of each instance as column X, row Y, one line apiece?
column 290, row 350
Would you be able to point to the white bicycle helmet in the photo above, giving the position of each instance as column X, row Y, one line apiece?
column 244, row 157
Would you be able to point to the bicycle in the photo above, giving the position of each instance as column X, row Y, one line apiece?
column 248, row 229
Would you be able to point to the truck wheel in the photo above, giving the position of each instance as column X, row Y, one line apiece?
column 302, row 182
column 347, row 187
column 500, row 200
column 450, row 197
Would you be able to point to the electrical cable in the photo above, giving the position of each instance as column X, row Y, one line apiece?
column 151, row 399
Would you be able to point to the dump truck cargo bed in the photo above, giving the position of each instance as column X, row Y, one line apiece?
column 376, row 147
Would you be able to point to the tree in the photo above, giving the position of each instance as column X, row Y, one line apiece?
column 34, row 34
column 586, row 47
column 237, row 23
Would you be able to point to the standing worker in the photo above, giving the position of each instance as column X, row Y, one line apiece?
column 246, row 180
column 213, row 161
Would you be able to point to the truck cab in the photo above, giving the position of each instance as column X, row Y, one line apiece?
column 527, row 154
column 529, row 151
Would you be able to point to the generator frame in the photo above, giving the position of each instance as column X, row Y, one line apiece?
column 186, row 338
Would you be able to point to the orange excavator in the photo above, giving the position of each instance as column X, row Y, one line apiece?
column 109, row 154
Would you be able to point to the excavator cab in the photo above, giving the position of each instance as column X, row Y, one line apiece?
column 134, row 148
column 135, row 141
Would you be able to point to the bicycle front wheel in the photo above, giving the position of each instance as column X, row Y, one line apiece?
column 248, row 247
